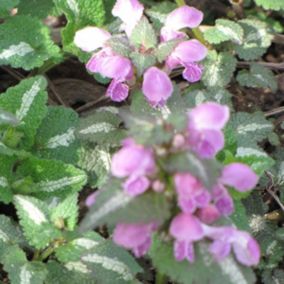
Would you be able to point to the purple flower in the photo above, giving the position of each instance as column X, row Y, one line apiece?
column 132, row 159
column 186, row 229
column 208, row 214
column 91, row 199
column 157, row 86
column 223, row 201
column 239, row 176
column 136, row 237
column 245, row 247
column 135, row 162
column 117, row 91
column 91, row 38
column 130, row 13
column 182, row 17
column 205, row 124
column 186, row 54
column 136, row 185
column 191, row 193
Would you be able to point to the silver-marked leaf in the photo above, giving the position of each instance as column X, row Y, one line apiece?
column 59, row 141
column 23, row 49
column 73, row 250
column 271, row 4
column 120, row 45
column 96, row 161
column 8, row 118
column 111, row 264
column 34, row 219
column 27, row 101
column 256, row 39
column 102, row 127
column 142, row 61
column 143, row 35
column 51, row 177
column 224, row 30
column 64, row 213
column 218, row 69
column 226, row 271
column 114, row 206
column 258, row 77
column 165, row 49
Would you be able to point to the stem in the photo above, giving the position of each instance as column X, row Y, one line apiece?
column 180, row 3
column 160, row 278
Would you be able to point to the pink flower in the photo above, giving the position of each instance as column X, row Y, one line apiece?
column 91, row 38
column 186, row 54
column 182, row 17
column 135, row 162
column 245, row 247
column 239, row 176
column 130, row 12
column 205, row 124
column 91, row 199
column 186, row 229
column 191, row 193
column 208, row 214
column 117, row 91
column 223, row 201
column 157, row 86
column 136, row 237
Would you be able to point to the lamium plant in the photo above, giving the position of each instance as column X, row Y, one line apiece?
column 162, row 179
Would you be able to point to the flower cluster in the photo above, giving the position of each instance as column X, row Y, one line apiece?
column 198, row 207
column 157, row 86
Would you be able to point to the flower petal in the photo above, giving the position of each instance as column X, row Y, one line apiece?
column 91, row 38
column 190, row 51
column 157, row 86
column 239, row 176
column 220, row 249
column 117, row 91
column 208, row 214
column 209, row 116
column 136, row 185
column 184, row 17
column 192, row 72
column 186, row 227
column 130, row 12
column 246, row 249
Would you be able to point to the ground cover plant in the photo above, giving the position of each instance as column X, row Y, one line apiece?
column 141, row 141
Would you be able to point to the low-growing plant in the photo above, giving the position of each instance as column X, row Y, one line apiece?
column 163, row 163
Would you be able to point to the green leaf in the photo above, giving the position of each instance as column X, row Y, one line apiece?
column 74, row 273
column 9, row 233
column 142, row 61
column 27, row 101
column 79, row 14
column 6, row 6
column 51, row 177
column 102, row 127
column 250, row 127
column 203, row 270
column 35, row 8
column 224, row 30
column 206, row 170
column 96, row 161
column 143, row 35
column 29, row 47
column 114, row 206
column 64, row 214
column 58, row 142
column 258, row 77
column 256, row 39
column 271, row 4
column 8, row 118
column 6, row 177
column 74, row 249
column 194, row 98
column 165, row 49
column 120, row 45
column 218, row 69
column 34, row 219
column 111, row 264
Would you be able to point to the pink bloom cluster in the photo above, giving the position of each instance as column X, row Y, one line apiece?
column 199, row 207
column 157, row 86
